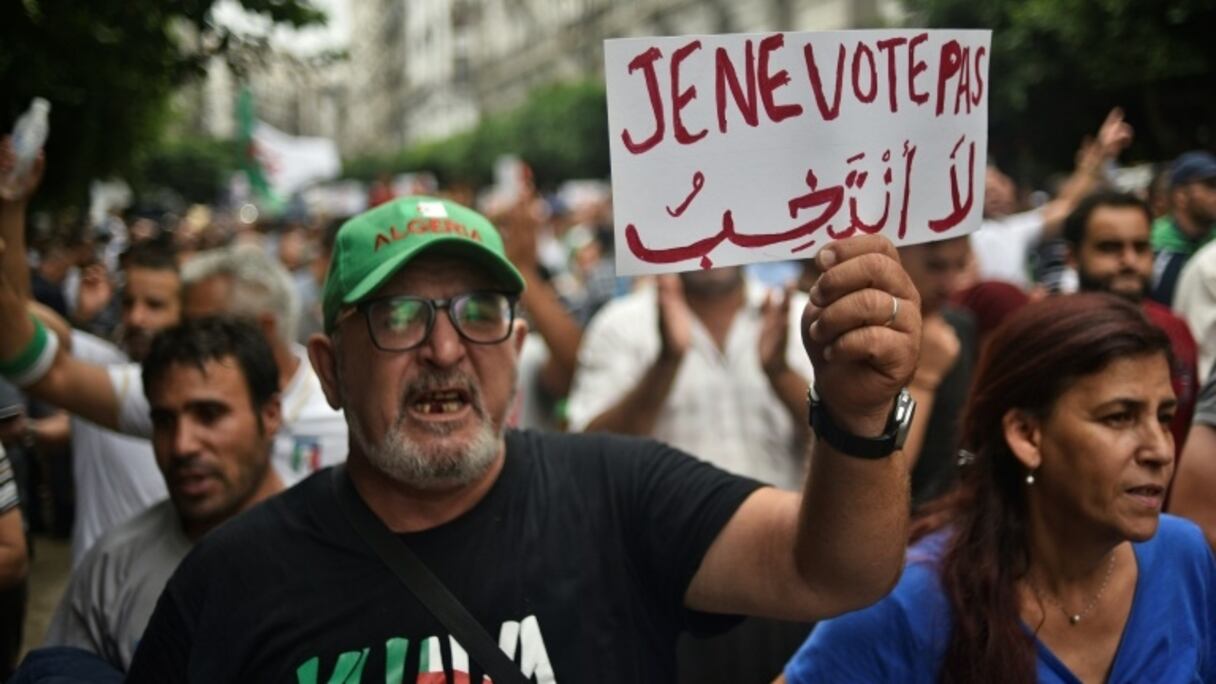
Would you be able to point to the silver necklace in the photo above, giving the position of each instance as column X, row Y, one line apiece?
column 1074, row 618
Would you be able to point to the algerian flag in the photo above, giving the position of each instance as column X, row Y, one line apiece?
column 279, row 164
column 430, row 663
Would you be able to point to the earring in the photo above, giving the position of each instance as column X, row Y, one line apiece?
column 1030, row 478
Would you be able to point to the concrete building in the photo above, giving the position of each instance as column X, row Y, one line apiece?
column 301, row 82
column 424, row 69
column 417, row 70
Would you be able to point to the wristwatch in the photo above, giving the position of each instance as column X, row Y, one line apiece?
column 892, row 439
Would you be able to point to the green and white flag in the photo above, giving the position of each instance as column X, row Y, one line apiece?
column 278, row 164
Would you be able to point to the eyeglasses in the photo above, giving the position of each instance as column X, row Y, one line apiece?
column 401, row 323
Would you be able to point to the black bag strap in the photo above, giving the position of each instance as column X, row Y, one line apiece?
column 424, row 585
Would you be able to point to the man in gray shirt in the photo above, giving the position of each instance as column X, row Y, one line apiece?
column 213, row 389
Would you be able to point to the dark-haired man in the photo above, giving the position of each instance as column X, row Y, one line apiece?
column 240, row 281
column 1190, row 223
column 583, row 556
column 1108, row 237
column 213, row 388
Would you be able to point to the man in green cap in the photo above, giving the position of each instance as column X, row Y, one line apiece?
column 582, row 556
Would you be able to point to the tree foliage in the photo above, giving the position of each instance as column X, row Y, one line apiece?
column 561, row 131
column 195, row 169
column 1058, row 65
column 108, row 67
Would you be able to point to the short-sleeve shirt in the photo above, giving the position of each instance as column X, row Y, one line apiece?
column 721, row 406
column 1002, row 246
column 116, row 475
column 312, row 436
column 576, row 561
column 1169, row 638
column 1195, row 302
column 1172, row 249
column 114, row 589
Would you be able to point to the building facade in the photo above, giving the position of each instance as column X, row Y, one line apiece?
column 431, row 68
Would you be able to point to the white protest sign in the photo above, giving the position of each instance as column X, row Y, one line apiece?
column 734, row 149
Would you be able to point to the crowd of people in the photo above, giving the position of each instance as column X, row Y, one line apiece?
column 986, row 458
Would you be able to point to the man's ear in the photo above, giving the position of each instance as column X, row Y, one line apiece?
column 268, row 326
column 271, row 414
column 324, row 358
column 519, row 333
column 1023, row 434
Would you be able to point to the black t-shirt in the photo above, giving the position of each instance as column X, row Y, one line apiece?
column 576, row 561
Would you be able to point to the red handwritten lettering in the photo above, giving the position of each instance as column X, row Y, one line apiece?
column 948, row 66
column 827, row 112
column 909, row 155
column 771, row 82
column 863, row 50
column 915, row 68
column 671, row 255
column 960, row 208
column 645, row 62
column 698, row 182
column 726, row 76
column 680, row 99
column 979, row 75
column 888, row 46
column 963, row 92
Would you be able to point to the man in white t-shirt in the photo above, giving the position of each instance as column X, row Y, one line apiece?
column 241, row 281
column 708, row 362
column 1005, row 238
column 115, row 475
column 245, row 281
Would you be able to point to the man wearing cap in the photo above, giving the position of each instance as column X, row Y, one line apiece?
column 582, row 556
column 1179, row 234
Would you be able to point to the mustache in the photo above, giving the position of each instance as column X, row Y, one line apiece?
column 189, row 467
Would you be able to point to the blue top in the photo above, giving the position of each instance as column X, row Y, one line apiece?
column 1170, row 636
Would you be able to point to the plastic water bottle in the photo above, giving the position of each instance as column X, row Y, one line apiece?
column 29, row 135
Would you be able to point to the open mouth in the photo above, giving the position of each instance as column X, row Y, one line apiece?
column 1150, row 495
column 192, row 483
column 440, row 402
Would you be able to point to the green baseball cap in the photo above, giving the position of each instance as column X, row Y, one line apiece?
column 374, row 245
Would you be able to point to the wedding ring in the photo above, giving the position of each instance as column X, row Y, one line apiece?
column 894, row 312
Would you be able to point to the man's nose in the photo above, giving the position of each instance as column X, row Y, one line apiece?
column 445, row 346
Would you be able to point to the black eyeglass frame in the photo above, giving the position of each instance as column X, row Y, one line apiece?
column 433, row 307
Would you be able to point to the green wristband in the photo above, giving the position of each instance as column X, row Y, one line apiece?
column 18, row 369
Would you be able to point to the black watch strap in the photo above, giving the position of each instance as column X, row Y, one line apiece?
column 894, row 434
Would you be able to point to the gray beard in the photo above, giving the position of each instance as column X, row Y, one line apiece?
column 430, row 468
column 433, row 467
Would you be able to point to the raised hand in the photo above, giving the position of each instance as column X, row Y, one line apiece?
column 675, row 319
column 95, row 293
column 25, row 186
column 774, row 331
column 1115, row 135
column 939, row 350
column 862, row 331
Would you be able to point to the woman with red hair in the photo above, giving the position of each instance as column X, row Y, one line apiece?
column 1051, row 562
